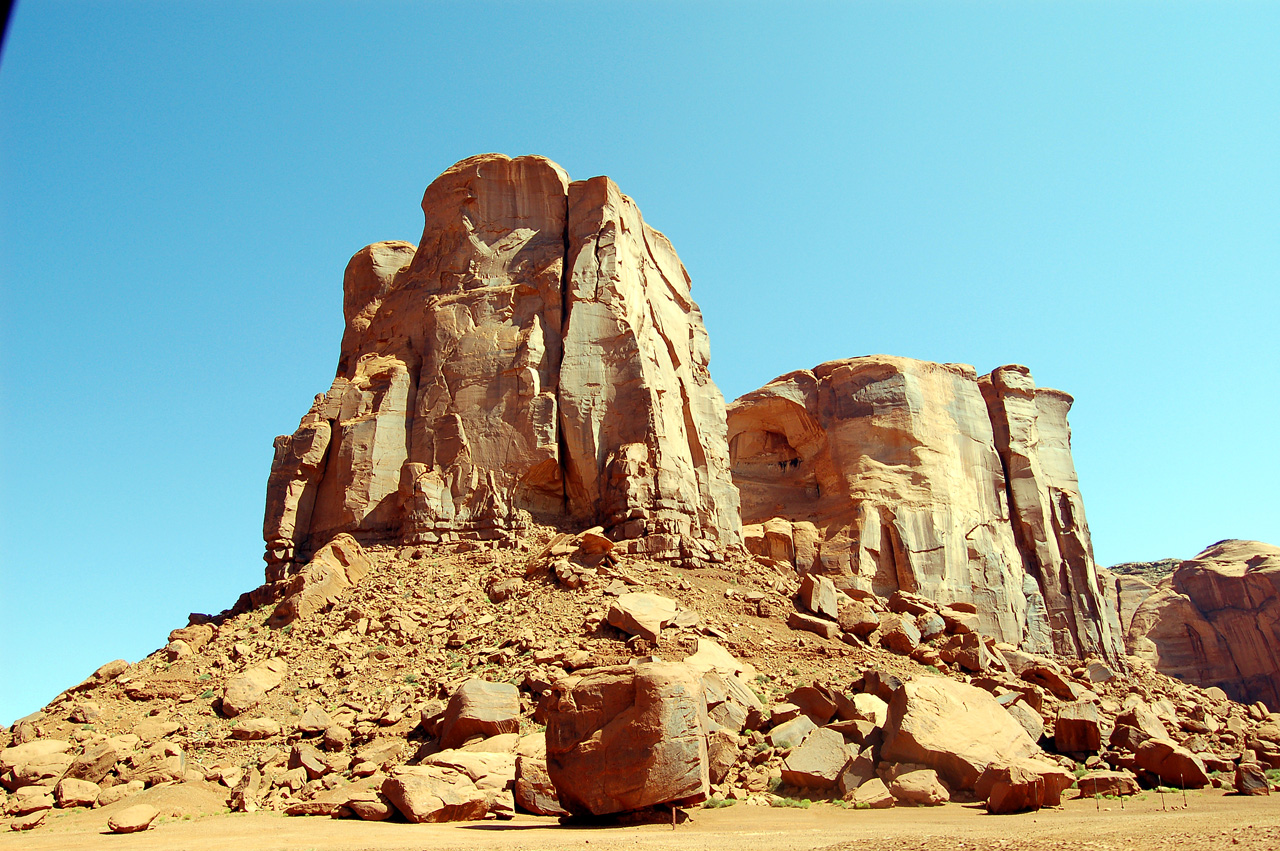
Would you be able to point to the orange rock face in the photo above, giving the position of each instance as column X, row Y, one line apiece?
column 538, row 353
column 1214, row 622
column 922, row 477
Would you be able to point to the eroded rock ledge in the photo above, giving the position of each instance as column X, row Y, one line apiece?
column 538, row 353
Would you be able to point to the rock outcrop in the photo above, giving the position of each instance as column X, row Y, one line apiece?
column 898, row 474
column 538, row 353
column 1216, row 622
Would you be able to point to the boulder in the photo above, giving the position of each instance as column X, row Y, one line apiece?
column 818, row 595
column 133, row 819
column 253, row 729
column 245, row 691
column 626, row 737
column 919, row 788
column 1078, row 728
column 29, row 799
column 1026, row 784
column 812, row 623
column 642, row 614
column 1031, row 721
column 493, row 773
column 76, row 793
column 898, row 633
column 429, row 794
column 1173, row 764
column 791, row 733
column 817, row 762
column 1106, row 784
column 872, row 795
column 314, row 720
column 335, row 567
column 954, row 728
column 534, row 791
column 1251, row 779
column 480, row 708
column 857, row 618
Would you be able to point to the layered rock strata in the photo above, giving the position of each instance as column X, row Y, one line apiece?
column 538, row 353
column 899, row 474
column 1216, row 622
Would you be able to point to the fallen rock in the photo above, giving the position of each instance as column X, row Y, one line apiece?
column 873, row 795
column 857, row 618
column 254, row 729
column 818, row 595
column 1251, row 779
column 429, row 794
column 133, row 819
column 955, row 728
column 1106, row 784
column 817, row 762
column 76, row 793
column 625, row 737
column 246, row 690
column 812, row 623
column 1027, row 784
column 919, row 788
column 1173, row 764
column 898, row 633
column 335, row 567
column 1078, row 728
column 642, row 614
column 480, row 708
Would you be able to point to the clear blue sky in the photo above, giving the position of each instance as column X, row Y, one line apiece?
column 1092, row 189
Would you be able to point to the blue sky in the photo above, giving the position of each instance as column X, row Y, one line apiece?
column 1092, row 189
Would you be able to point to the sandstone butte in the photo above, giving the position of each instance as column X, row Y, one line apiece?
column 1214, row 621
column 904, row 475
column 537, row 354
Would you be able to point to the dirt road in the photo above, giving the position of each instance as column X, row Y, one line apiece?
column 1210, row 821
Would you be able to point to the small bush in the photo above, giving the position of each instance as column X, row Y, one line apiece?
column 717, row 803
column 798, row 803
column 206, row 694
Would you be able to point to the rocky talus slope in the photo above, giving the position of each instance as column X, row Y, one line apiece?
column 555, row 674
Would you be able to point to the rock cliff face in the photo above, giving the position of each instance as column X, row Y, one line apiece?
column 1216, row 621
column 924, row 478
column 537, row 353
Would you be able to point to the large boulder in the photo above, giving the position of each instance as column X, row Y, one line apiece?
column 480, row 708
column 426, row 794
column 627, row 737
column 642, row 614
column 954, row 728
column 818, row 762
column 1025, row 784
column 246, row 690
column 538, row 351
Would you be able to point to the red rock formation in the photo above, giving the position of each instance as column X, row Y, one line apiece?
column 922, row 477
column 538, row 352
column 1216, row 622
column 1034, row 441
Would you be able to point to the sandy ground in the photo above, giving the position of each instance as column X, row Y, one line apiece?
column 1210, row 820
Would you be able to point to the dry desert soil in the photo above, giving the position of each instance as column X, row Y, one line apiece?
column 1209, row 820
